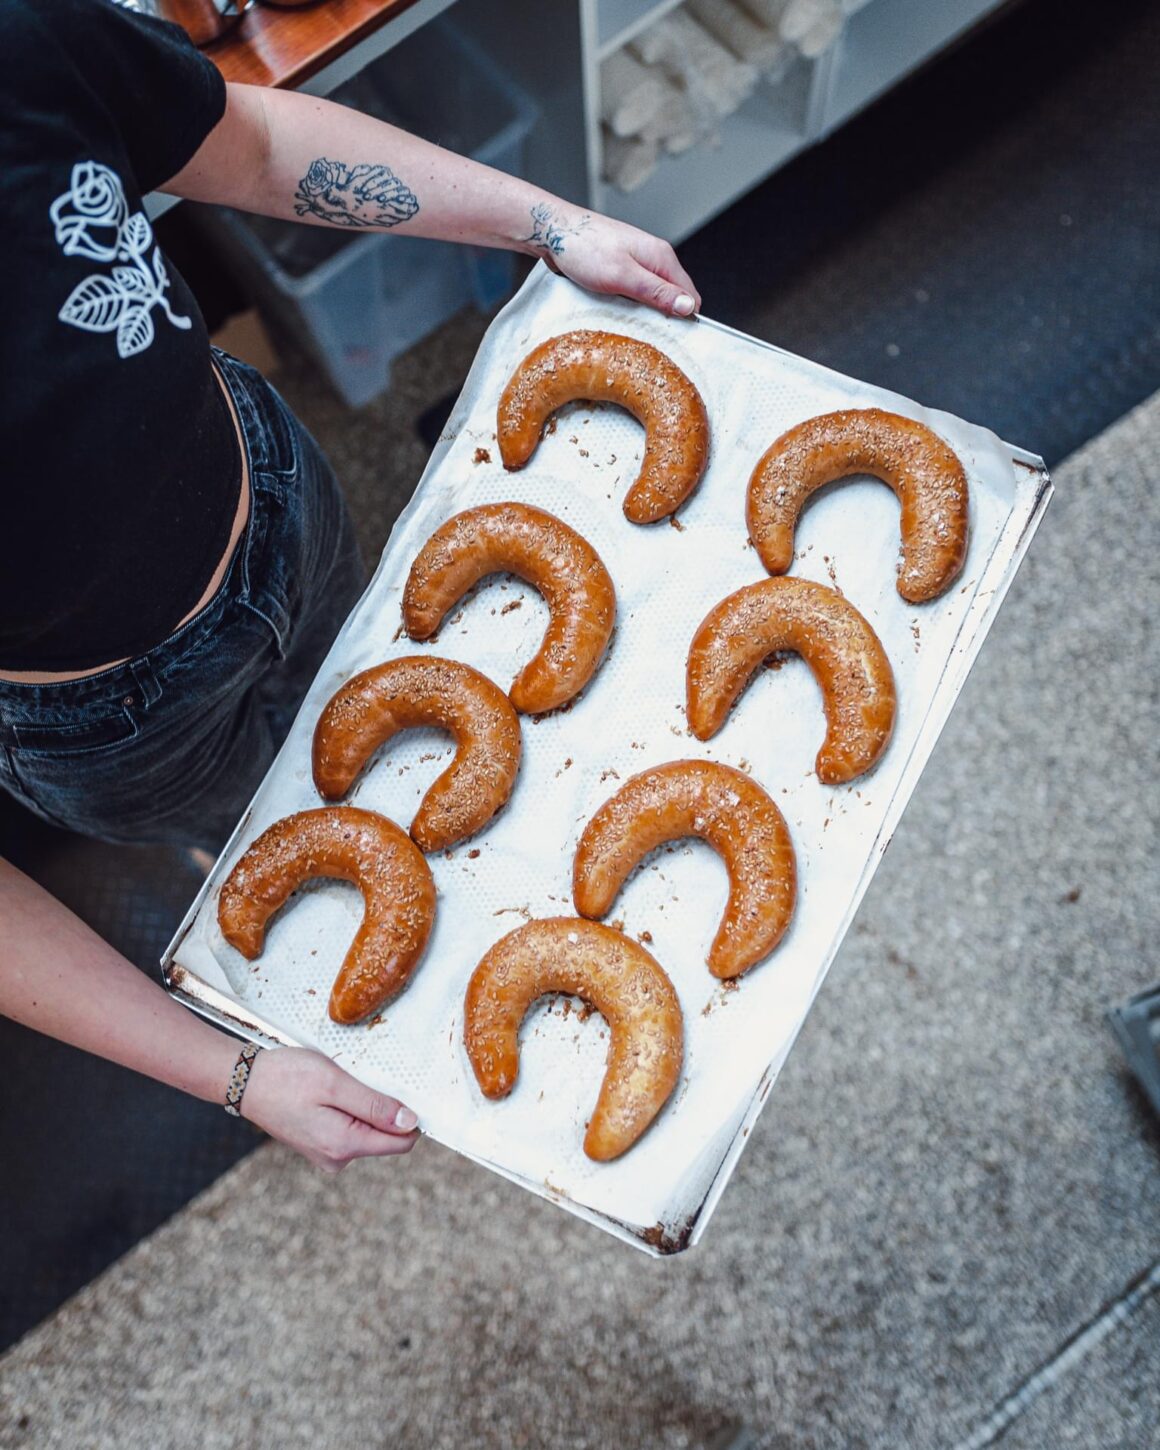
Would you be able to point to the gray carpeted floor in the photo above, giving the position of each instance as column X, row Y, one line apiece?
column 952, row 1178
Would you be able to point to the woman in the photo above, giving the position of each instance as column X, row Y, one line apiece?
column 176, row 558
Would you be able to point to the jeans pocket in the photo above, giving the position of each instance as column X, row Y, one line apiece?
column 60, row 770
column 78, row 737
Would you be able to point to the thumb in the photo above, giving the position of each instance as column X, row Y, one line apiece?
column 386, row 1114
column 656, row 291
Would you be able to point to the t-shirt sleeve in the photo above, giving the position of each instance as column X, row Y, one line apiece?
column 164, row 96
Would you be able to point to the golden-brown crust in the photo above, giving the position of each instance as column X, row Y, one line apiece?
column 723, row 807
column 606, row 367
column 617, row 977
column 423, row 690
column 552, row 557
column 836, row 642
column 351, row 845
column 923, row 471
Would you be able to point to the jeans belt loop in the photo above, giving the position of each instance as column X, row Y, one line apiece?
column 147, row 682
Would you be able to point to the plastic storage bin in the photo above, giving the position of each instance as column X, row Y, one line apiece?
column 355, row 302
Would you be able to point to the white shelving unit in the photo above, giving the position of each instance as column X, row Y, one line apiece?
column 882, row 42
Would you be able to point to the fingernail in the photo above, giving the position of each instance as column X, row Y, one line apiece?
column 683, row 305
column 405, row 1120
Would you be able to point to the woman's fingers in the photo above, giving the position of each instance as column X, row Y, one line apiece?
column 356, row 1139
column 658, row 257
column 376, row 1110
column 656, row 291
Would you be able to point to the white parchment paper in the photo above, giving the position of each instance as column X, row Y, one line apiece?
column 630, row 717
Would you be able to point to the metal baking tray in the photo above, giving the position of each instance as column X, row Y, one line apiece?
column 661, row 1194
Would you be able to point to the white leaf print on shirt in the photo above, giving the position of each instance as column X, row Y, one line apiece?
column 92, row 220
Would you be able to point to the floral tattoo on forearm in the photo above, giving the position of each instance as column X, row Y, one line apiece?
column 547, row 233
column 354, row 196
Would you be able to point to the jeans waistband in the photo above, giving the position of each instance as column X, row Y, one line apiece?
column 266, row 430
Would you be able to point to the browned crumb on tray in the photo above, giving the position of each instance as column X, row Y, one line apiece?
column 512, row 604
column 482, row 455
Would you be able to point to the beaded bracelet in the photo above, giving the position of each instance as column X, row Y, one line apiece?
column 239, row 1078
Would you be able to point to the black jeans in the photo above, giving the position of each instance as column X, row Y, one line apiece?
column 169, row 747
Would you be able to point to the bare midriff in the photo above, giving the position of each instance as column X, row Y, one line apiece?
column 241, row 517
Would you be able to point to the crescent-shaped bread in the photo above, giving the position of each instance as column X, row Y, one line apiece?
column 923, row 471
column 422, row 690
column 614, row 975
column 837, row 643
column 606, row 367
column 722, row 806
column 352, row 845
column 544, row 551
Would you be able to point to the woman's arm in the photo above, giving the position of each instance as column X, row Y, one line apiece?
column 59, row 977
column 284, row 154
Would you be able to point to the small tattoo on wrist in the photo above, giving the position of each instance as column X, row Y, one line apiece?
column 366, row 195
column 548, row 234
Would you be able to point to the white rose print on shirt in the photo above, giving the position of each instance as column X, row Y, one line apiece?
column 92, row 220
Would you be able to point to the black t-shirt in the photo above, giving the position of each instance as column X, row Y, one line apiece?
column 120, row 465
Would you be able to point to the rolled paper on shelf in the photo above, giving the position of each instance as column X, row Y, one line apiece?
column 766, row 12
column 822, row 34
column 630, row 94
column 800, row 17
column 629, row 161
column 715, row 81
column 748, row 39
column 674, row 128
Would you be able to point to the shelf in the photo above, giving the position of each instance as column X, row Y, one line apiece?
column 287, row 47
column 686, row 191
column 617, row 21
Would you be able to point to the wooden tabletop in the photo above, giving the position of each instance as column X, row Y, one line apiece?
column 286, row 47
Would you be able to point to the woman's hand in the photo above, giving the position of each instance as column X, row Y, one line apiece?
column 57, row 976
column 612, row 257
column 309, row 1103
